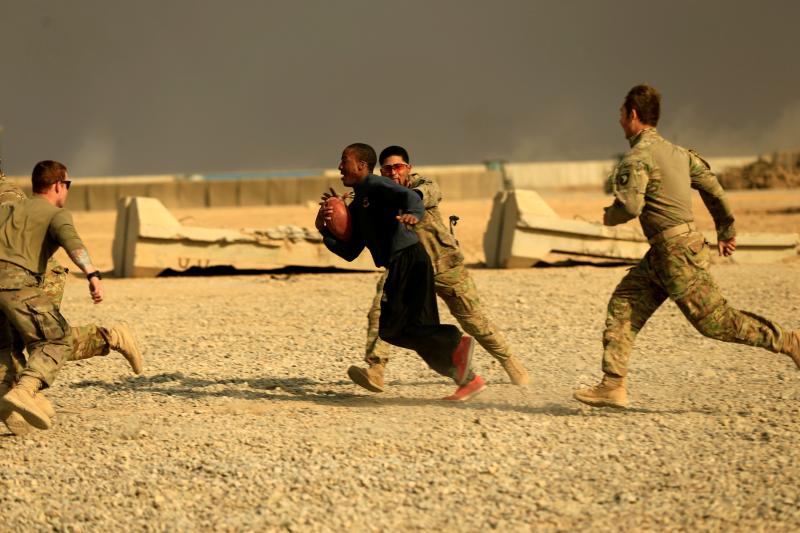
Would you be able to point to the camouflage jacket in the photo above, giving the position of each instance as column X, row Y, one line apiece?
column 10, row 192
column 433, row 232
column 653, row 181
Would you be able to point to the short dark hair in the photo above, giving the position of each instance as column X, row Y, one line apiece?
column 389, row 151
column 365, row 153
column 45, row 174
column 646, row 100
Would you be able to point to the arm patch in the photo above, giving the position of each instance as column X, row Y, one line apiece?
column 708, row 167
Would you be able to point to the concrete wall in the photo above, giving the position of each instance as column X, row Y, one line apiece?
column 457, row 182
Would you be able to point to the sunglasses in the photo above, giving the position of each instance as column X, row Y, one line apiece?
column 67, row 183
column 397, row 167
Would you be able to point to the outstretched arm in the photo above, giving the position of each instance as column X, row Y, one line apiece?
column 80, row 256
column 63, row 231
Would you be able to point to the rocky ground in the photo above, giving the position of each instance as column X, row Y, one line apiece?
column 244, row 419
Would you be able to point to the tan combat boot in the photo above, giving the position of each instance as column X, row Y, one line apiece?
column 21, row 399
column 121, row 339
column 791, row 346
column 609, row 393
column 370, row 378
column 14, row 421
column 516, row 372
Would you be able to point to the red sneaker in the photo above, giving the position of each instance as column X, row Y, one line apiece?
column 462, row 358
column 465, row 392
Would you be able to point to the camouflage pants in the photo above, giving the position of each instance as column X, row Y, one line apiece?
column 456, row 287
column 678, row 269
column 87, row 341
column 30, row 319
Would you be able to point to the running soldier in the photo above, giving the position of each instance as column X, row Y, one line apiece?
column 453, row 283
column 653, row 181
column 30, row 315
column 89, row 340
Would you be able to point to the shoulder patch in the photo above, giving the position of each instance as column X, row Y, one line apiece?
column 626, row 169
column 700, row 158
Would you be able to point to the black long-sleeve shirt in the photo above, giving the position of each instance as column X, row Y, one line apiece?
column 377, row 202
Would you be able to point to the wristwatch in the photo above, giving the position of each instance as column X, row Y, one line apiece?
column 95, row 274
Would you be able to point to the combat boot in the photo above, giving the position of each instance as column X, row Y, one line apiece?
column 12, row 419
column 21, row 399
column 791, row 346
column 516, row 372
column 121, row 339
column 609, row 393
column 45, row 405
column 370, row 378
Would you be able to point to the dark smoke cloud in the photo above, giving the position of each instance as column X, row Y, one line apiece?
column 193, row 86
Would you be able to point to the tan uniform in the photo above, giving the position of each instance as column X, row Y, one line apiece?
column 88, row 341
column 30, row 231
column 452, row 281
column 654, row 181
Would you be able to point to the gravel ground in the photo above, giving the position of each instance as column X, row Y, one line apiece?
column 244, row 419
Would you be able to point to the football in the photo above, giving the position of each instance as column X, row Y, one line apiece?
column 339, row 225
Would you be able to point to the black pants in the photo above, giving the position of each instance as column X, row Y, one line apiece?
column 409, row 316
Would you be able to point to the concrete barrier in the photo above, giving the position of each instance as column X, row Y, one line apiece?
column 222, row 193
column 457, row 182
column 253, row 192
column 193, row 193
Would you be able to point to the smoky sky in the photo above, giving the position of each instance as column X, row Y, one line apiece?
column 113, row 87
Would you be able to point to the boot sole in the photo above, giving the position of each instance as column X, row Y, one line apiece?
column 16, row 424
column 361, row 380
column 600, row 403
column 32, row 415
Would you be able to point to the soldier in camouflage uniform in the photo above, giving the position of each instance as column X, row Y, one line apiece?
column 453, row 283
column 87, row 341
column 653, row 181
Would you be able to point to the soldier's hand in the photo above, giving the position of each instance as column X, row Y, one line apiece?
column 96, row 290
column 407, row 219
column 726, row 248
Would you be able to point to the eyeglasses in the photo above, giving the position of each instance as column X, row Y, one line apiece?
column 67, row 183
column 397, row 167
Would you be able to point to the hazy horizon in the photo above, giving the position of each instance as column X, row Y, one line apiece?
column 202, row 86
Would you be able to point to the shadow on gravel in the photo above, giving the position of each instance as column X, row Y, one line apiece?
column 308, row 390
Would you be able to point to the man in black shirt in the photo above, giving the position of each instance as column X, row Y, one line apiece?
column 380, row 212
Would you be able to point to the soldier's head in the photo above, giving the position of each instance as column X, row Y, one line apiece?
column 358, row 161
column 51, row 180
column 641, row 109
column 395, row 164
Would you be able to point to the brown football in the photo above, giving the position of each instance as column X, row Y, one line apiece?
column 339, row 225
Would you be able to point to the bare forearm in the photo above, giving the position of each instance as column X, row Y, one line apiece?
column 80, row 256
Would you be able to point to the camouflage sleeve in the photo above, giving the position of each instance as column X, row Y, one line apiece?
column 10, row 192
column 628, row 186
column 428, row 191
column 713, row 196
